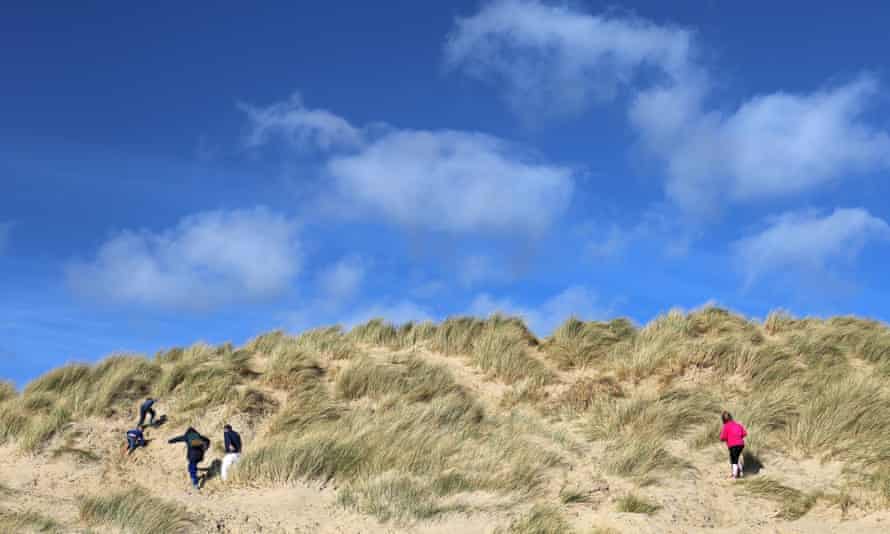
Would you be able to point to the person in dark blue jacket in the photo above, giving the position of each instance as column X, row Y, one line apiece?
column 233, row 450
column 196, row 446
column 146, row 409
column 135, row 439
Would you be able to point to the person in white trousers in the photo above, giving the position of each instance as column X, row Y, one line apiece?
column 233, row 450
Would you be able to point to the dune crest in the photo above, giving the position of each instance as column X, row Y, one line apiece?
column 469, row 425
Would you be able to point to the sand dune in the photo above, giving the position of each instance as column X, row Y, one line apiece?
column 534, row 439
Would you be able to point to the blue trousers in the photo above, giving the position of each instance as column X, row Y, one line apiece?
column 143, row 413
column 193, row 473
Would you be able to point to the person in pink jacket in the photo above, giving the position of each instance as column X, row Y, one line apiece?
column 733, row 434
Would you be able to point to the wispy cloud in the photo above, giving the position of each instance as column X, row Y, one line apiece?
column 552, row 59
column 478, row 268
column 773, row 145
column 342, row 280
column 661, row 225
column 557, row 60
column 299, row 126
column 398, row 312
column 808, row 242
column 453, row 181
column 576, row 301
column 442, row 180
column 208, row 259
column 542, row 318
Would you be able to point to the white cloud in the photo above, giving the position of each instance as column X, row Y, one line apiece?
column 452, row 181
column 208, row 259
column 442, row 180
column 576, row 301
column 807, row 242
column 557, row 60
column 554, row 59
column 542, row 320
column 477, row 268
column 341, row 281
column 659, row 225
column 429, row 289
column 396, row 313
column 771, row 146
column 5, row 230
column 300, row 126
column 615, row 242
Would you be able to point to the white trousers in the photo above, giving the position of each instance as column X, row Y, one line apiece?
column 229, row 460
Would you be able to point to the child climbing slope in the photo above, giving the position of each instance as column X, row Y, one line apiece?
column 733, row 434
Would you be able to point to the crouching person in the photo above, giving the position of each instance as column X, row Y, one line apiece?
column 135, row 439
column 233, row 450
column 196, row 446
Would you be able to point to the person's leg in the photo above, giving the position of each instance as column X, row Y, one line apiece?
column 734, row 453
column 731, row 464
column 742, row 461
column 141, row 417
column 193, row 473
column 151, row 416
column 224, row 470
column 228, row 461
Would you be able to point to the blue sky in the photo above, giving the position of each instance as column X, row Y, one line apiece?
column 210, row 172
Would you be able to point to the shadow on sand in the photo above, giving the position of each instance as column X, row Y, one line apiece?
column 211, row 472
column 752, row 463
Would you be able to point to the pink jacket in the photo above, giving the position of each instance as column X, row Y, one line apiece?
column 733, row 434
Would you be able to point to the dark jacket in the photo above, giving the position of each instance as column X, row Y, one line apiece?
column 195, row 443
column 233, row 441
column 195, row 454
column 136, row 435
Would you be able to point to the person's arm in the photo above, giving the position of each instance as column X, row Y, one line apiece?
column 744, row 432
column 228, row 442
column 723, row 433
column 177, row 439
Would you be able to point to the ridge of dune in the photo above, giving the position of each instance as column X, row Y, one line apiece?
column 470, row 426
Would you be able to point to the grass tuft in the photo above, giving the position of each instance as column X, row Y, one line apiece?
column 133, row 510
column 28, row 521
column 501, row 349
column 541, row 519
column 634, row 504
column 794, row 503
column 579, row 344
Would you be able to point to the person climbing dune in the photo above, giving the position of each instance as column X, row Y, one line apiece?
column 135, row 439
column 146, row 409
column 196, row 446
column 733, row 433
column 233, row 450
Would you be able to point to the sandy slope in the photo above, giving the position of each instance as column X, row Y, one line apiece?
column 700, row 499
column 693, row 502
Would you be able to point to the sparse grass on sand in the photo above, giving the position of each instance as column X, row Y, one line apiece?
column 28, row 521
column 793, row 503
column 579, row 344
column 398, row 435
column 541, row 519
column 133, row 510
column 406, row 441
column 634, row 504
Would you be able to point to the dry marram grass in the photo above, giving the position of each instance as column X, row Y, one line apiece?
column 405, row 440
